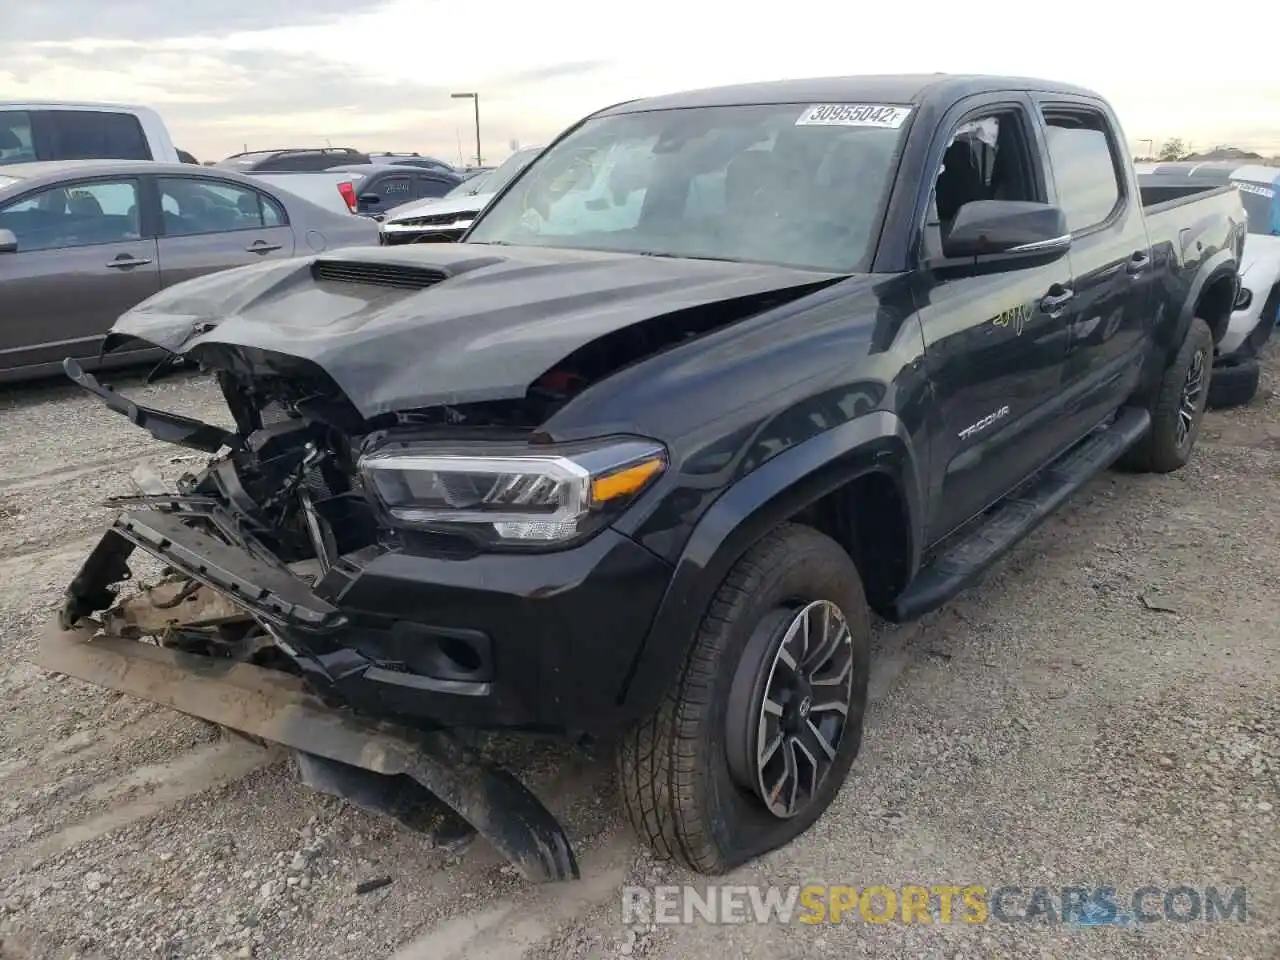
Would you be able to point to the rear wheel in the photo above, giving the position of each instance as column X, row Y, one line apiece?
column 757, row 735
column 1178, row 408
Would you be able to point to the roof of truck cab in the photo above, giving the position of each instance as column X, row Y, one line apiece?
column 870, row 88
column 73, row 105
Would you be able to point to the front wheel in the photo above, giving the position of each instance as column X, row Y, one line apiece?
column 1178, row 408
column 754, row 740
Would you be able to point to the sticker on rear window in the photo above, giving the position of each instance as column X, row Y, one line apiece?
column 854, row 115
column 1257, row 188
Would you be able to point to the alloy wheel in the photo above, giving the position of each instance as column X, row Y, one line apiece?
column 1190, row 406
column 802, row 710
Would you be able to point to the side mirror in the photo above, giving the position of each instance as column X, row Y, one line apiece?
column 8, row 242
column 1007, row 231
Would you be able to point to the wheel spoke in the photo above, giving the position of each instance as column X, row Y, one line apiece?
column 837, row 679
column 770, row 749
column 812, row 735
column 831, row 706
column 815, row 767
column 788, row 779
column 835, row 632
column 772, row 707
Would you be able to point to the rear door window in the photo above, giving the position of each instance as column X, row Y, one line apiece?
column 1085, row 167
column 192, row 206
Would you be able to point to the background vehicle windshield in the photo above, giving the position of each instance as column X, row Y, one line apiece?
column 794, row 184
column 471, row 185
column 499, row 177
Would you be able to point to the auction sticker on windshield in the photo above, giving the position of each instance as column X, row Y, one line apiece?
column 854, row 115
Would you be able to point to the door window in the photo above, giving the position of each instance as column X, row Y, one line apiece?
column 432, row 187
column 987, row 158
column 75, row 215
column 15, row 137
column 192, row 207
column 1084, row 167
column 96, row 135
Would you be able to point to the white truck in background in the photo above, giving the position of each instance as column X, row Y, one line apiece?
column 62, row 130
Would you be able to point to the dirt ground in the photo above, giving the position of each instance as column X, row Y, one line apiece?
column 1104, row 711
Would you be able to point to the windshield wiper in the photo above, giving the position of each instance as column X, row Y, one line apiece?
column 685, row 256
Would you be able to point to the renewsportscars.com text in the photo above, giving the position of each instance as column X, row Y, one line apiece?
column 935, row 903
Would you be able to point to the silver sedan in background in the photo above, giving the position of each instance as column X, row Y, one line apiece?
column 82, row 241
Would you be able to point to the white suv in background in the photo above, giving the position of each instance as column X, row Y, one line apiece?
column 53, row 130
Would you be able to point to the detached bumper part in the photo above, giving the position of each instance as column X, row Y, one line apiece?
column 276, row 707
column 170, row 427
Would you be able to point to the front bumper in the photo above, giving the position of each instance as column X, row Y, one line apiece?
column 274, row 706
column 540, row 642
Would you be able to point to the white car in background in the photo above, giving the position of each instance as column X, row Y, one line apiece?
column 1236, row 367
column 445, row 219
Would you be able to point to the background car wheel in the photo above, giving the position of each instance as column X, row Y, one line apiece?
column 753, row 741
column 1234, row 385
column 1178, row 408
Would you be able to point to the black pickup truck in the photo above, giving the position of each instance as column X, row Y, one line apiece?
column 720, row 375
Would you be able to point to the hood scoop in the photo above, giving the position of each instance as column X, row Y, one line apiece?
column 400, row 276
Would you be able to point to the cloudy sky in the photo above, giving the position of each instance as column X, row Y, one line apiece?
column 377, row 74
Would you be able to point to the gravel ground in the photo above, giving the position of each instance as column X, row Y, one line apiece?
column 1103, row 710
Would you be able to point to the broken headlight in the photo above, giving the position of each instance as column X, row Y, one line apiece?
column 516, row 495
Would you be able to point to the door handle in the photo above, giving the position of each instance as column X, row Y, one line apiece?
column 1138, row 263
column 1053, row 303
column 262, row 247
column 124, row 263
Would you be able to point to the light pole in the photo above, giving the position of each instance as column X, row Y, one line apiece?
column 475, row 98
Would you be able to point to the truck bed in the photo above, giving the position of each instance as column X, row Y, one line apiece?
column 1158, row 197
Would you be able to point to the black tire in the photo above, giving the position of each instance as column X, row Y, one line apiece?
column 1234, row 385
column 680, row 770
column 1175, row 414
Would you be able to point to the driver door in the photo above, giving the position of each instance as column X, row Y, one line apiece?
column 995, row 344
column 81, row 262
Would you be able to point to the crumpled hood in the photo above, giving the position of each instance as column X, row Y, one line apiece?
column 495, row 319
column 471, row 203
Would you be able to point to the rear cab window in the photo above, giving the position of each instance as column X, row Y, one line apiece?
column 1085, row 163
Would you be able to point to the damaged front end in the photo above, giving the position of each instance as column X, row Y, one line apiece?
column 247, row 625
column 391, row 546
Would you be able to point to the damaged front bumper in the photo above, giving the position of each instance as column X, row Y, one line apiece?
column 274, row 706
column 404, row 771
column 489, row 641
column 367, row 699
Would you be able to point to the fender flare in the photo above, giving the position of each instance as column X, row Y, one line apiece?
column 747, row 510
column 1221, row 264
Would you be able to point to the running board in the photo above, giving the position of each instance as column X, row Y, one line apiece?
column 275, row 706
column 1012, row 519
